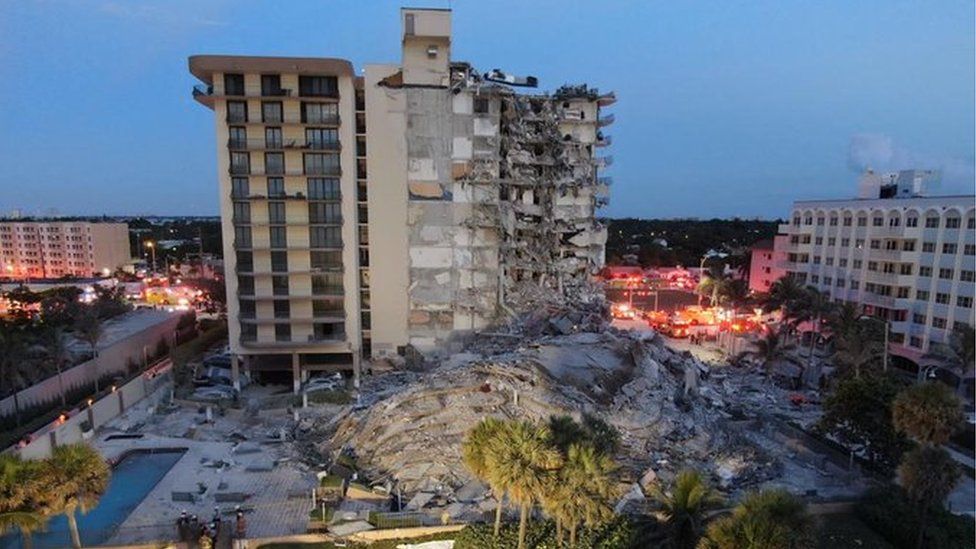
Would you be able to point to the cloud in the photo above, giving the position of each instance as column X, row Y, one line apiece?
column 881, row 153
column 169, row 16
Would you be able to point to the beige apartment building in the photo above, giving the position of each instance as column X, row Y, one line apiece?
column 54, row 249
column 402, row 208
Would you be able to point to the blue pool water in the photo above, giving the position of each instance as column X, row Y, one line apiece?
column 132, row 479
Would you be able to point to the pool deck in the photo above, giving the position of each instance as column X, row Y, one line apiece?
column 274, row 509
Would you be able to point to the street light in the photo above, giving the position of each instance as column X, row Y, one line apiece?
column 152, row 249
column 701, row 268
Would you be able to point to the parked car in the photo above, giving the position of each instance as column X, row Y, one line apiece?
column 325, row 383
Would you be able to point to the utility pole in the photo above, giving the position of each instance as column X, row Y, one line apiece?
column 884, row 364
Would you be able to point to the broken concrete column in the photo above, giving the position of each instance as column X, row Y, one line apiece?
column 296, row 373
column 235, row 372
column 691, row 378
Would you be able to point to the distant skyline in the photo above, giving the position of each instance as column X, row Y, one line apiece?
column 723, row 110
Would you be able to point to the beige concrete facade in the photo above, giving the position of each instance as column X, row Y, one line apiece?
column 54, row 249
column 455, row 190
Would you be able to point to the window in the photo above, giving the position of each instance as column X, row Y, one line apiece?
column 971, row 223
column 322, row 138
column 240, row 163
column 858, row 263
column 481, row 105
column 278, row 238
column 320, row 188
column 236, row 111
column 796, row 221
column 821, row 221
column 242, row 212
column 233, row 84
column 322, row 307
column 245, row 261
column 274, row 163
column 271, row 85
column 808, row 220
column 859, row 243
column 276, row 212
column 877, row 221
column 941, row 298
column 829, row 261
column 279, row 285
column 845, row 242
column 276, row 187
column 918, row 318
column 245, row 285
column 915, row 341
column 828, row 280
column 833, row 221
column 908, row 246
column 815, row 279
column 247, row 309
column 945, row 274
column 848, row 221
column 271, row 112
column 282, row 308
column 911, row 222
column 272, row 138
column 894, row 222
column 242, row 237
column 816, row 260
column 831, row 241
column 239, row 187
column 855, row 284
column 324, row 212
column 326, row 260
column 282, row 332
column 872, row 265
column 938, row 322
column 952, row 223
column 931, row 222
column 805, row 239
column 922, row 295
column 320, row 113
column 964, row 301
column 843, row 262
column 928, row 247
column 325, row 237
column 948, row 248
column 327, row 283
column 237, row 137
column 324, row 164
column 862, row 222
column 819, row 241
column 906, row 269
column 875, row 244
column 318, row 86
column 841, row 282
column 902, row 292
column 969, row 249
column 967, row 276
column 924, row 271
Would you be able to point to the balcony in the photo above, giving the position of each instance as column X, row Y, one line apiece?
column 258, row 144
column 274, row 196
column 603, row 161
column 323, row 170
column 604, row 180
column 603, row 140
column 606, row 99
column 884, row 255
column 276, row 92
column 605, row 120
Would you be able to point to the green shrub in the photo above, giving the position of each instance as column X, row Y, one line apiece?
column 621, row 533
column 890, row 513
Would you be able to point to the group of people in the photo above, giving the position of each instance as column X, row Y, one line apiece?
column 190, row 528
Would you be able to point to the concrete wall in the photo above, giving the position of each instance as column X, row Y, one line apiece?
column 112, row 359
column 99, row 413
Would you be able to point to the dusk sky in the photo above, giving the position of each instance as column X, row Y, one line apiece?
column 724, row 108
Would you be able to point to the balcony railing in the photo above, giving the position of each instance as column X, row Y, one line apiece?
column 605, row 120
column 605, row 180
column 603, row 161
column 603, row 140
column 201, row 90
column 263, row 144
column 323, row 170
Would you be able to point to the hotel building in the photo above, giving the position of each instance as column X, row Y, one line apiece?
column 55, row 249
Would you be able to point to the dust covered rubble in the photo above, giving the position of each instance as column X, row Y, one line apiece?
column 408, row 427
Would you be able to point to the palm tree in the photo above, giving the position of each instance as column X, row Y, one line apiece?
column 783, row 295
column 813, row 306
column 54, row 346
column 713, row 283
column 77, row 477
column 771, row 519
column 475, row 452
column 12, row 353
column 770, row 349
column 929, row 413
column 928, row 474
column 18, row 508
column 958, row 354
column 525, row 459
column 690, row 496
column 90, row 330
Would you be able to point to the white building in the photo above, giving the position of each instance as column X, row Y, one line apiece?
column 906, row 258
column 54, row 249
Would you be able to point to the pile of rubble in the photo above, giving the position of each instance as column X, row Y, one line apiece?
column 672, row 412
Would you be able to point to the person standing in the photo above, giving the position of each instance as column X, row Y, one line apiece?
column 240, row 530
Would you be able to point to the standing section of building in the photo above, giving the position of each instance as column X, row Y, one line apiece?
column 55, row 249
column 402, row 208
column 766, row 263
column 285, row 151
column 908, row 259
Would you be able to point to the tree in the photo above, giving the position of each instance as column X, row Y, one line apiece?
column 77, row 477
column 12, row 353
column 857, row 413
column 524, row 460
column 586, row 474
column 858, row 340
column 770, row 349
column 929, row 413
column 90, row 330
column 476, row 454
column 684, row 506
column 957, row 355
column 928, row 474
column 21, row 497
column 713, row 283
column 813, row 306
column 54, row 347
column 783, row 295
column 771, row 519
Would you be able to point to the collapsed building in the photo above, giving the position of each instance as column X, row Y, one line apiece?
column 367, row 215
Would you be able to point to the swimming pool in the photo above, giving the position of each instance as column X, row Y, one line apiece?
column 135, row 474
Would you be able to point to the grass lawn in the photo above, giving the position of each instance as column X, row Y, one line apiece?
column 840, row 531
column 386, row 544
